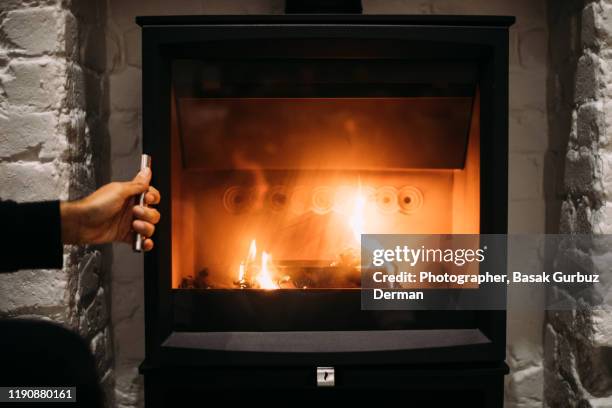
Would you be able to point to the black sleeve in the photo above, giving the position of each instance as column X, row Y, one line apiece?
column 32, row 236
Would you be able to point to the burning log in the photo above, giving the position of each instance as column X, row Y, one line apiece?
column 199, row 282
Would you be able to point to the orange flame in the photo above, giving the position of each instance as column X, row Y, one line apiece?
column 252, row 252
column 241, row 272
column 356, row 220
column 265, row 278
column 246, row 270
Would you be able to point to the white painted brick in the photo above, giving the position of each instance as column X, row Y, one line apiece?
column 584, row 217
column 526, row 387
column 607, row 73
column 21, row 132
column 589, row 35
column 33, row 181
column 605, row 158
column 533, row 48
column 567, row 222
column 92, row 55
column 132, row 40
column 243, row 7
column 82, row 180
column 579, row 171
column 75, row 87
column 47, row 102
column 89, row 12
column 101, row 346
column 573, row 136
column 605, row 139
column 130, row 264
column 527, row 89
column 601, row 257
column 38, row 84
column 94, row 88
column 528, row 131
column 114, row 62
column 528, row 12
column 526, row 175
column 71, row 36
column 125, row 167
column 89, row 280
column 602, row 325
column 526, row 216
column 30, row 289
column 513, row 49
column 396, row 6
column 33, row 30
column 602, row 220
column 97, row 314
column 125, row 131
column 8, row 5
column 603, row 402
column 74, row 124
column 589, row 83
column 128, row 388
column 604, row 23
column 131, row 328
column 122, row 12
column 590, row 123
column 125, row 89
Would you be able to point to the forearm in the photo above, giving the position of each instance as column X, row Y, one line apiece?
column 71, row 214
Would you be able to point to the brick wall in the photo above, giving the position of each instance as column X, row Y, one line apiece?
column 52, row 120
column 579, row 344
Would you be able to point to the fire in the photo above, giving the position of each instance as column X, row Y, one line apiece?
column 249, row 273
column 356, row 220
column 260, row 272
column 252, row 251
column 241, row 272
column 264, row 278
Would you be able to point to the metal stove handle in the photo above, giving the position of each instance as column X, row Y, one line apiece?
column 145, row 162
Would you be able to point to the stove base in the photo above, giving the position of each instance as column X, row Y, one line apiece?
column 440, row 385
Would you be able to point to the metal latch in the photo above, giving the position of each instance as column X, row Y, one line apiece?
column 326, row 377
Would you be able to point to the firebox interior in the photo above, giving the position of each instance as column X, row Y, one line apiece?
column 287, row 163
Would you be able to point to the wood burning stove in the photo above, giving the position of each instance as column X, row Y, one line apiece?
column 277, row 141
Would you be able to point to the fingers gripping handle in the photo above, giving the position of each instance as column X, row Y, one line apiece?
column 145, row 162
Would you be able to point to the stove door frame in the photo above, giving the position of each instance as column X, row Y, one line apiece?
column 162, row 36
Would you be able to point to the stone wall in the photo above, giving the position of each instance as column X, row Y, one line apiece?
column 52, row 120
column 532, row 162
column 578, row 348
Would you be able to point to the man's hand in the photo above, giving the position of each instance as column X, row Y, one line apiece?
column 109, row 214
